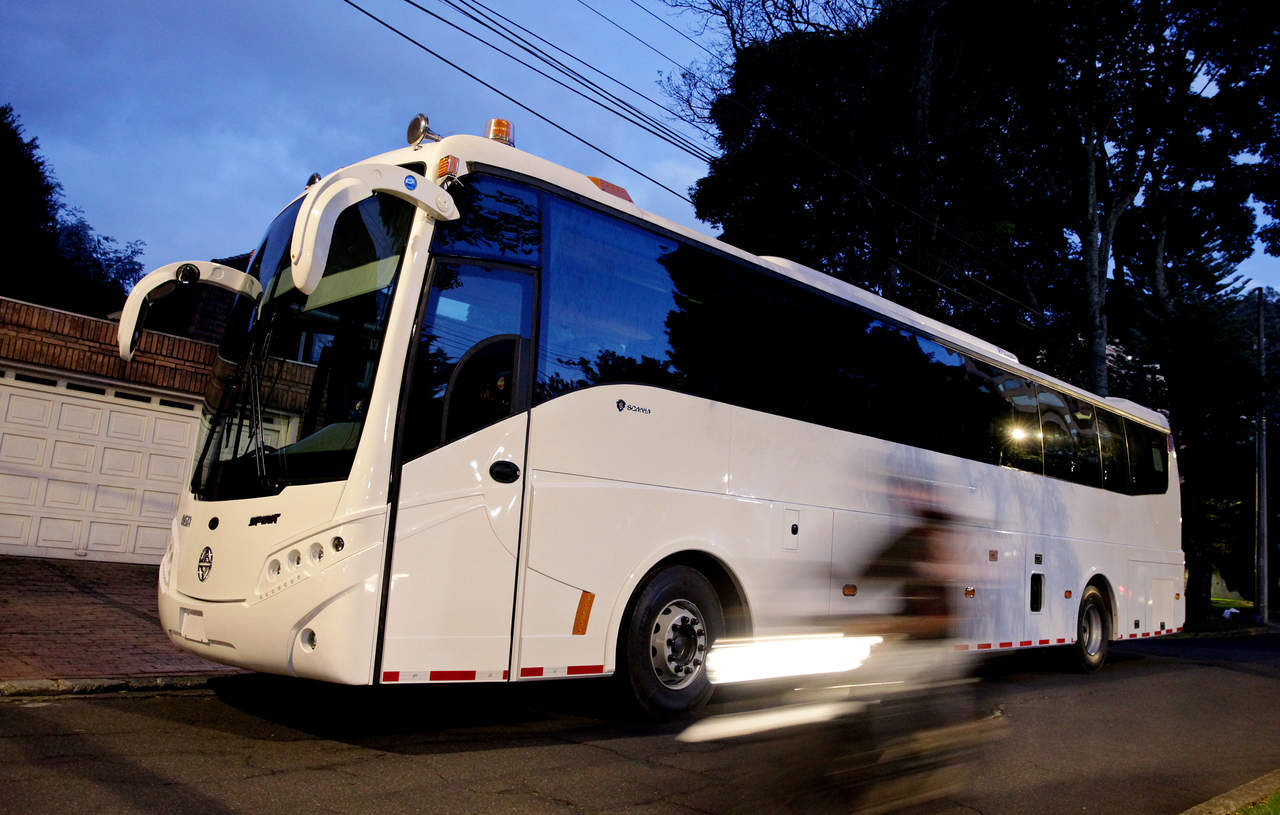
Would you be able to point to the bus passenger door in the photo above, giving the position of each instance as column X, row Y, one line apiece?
column 463, row 424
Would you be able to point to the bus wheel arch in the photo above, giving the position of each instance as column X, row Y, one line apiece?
column 733, row 602
column 674, row 613
column 1095, row 624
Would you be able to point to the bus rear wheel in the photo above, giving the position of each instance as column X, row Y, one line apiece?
column 663, row 651
column 1093, row 630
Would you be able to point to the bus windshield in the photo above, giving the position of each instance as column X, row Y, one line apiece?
column 288, row 394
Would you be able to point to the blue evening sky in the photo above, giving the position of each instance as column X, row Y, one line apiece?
column 188, row 125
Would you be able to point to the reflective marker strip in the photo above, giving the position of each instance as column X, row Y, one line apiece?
column 1061, row 640
column 571, row 670
column 962, row 648
column 442, row 676
column 1044, row 642
column 1146, row 634
column 983, row 646
column 1024, row 643
column 451, row 676
column 1006, row 645
column 1133, row 636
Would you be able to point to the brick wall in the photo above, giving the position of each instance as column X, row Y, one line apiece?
column 37, row 335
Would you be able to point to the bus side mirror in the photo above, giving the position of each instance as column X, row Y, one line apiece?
column 166, row 280
column 328, row 197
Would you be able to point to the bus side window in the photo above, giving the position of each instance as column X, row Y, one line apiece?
column 1087, row 467
column 621, row 304
column 1070, row 438
column 1014, row 434
column 1115, row 457
column 1059, row 449
column 1148, row 459
column 466, row 367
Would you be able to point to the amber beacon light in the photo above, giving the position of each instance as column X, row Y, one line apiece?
column 500, row 130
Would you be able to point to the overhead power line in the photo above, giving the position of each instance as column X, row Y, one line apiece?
column 653, row 127
column 512, row 99
column 678, row 116
column 668, row 24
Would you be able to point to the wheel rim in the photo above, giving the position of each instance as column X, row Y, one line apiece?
column 1091, row 631
column 678, row 644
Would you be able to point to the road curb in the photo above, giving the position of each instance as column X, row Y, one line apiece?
column 1242, row 796
column 1239, row 632
column 65, row 687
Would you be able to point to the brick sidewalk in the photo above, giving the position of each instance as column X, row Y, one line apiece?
column 76, row 619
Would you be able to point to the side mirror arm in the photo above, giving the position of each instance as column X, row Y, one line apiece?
column 163, row 282
column 328, row 197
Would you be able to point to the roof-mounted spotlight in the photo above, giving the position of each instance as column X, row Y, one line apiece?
column 420, row 131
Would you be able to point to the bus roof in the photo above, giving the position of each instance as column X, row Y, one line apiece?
column 483, row 151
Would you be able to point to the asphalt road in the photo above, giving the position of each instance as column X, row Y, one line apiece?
column 1166, row 725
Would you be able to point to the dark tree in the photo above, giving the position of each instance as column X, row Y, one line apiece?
column 55, row 258
column 1093, row 161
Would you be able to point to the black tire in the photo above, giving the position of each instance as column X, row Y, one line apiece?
column 673, row 620
column 1093, row 631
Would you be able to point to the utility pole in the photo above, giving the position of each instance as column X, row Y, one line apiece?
column 1262, row 572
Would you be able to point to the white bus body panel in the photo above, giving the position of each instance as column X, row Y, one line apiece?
column 453, row 568
column 614, row 492
column 250, row 613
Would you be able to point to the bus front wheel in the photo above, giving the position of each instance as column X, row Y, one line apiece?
column 663, row 652
column 1093, row 630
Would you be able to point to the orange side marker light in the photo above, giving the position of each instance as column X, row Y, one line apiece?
column 584, row 613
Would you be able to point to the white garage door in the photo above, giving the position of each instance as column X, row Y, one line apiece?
column 90, row 469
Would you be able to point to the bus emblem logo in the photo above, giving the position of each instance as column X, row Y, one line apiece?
column 622, row 405
column 205, row 565
column 410, row 183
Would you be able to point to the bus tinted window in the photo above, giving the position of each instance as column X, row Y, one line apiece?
column 1011, row 434
column 498, row 220
column 621, row 304
column 1115, row 459
column 1148, row 458
column 795, row 354
column 1070, row 438
column 465, row 367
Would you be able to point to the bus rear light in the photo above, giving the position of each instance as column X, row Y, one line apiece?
column 850, row 590
column 317, row 553
column 1067, row 594
column 338, row 544
column 273, row 569
column 969, row 592
column 612, row 189
column 499, row 130
column 447, row 168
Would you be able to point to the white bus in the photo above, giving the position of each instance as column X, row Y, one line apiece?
column 477, row 417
